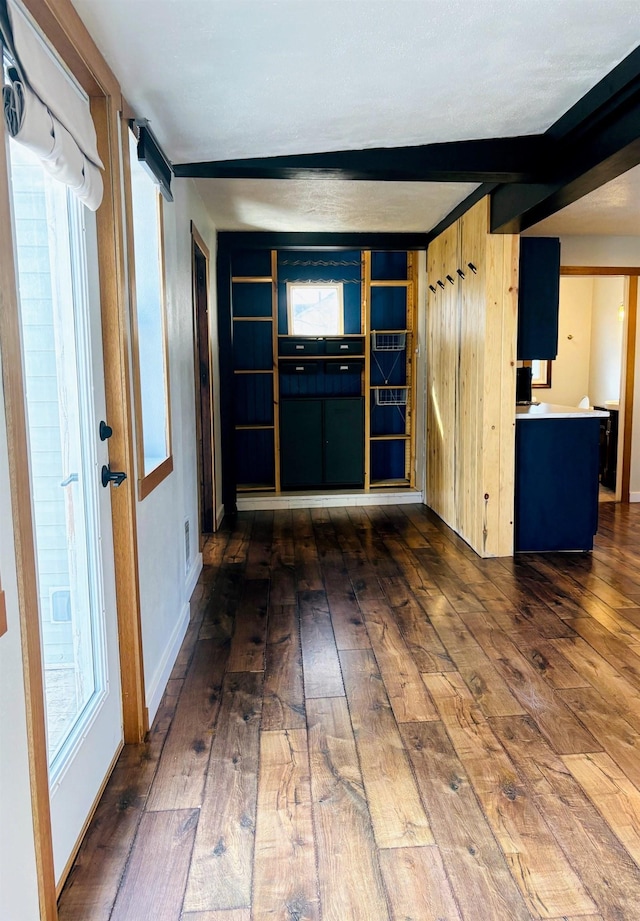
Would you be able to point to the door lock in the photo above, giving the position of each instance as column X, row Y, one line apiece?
column 115, row 477
column 105, row 431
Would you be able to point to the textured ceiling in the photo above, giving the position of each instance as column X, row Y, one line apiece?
column 222, row 79
column 331, row 206
column 613, row 210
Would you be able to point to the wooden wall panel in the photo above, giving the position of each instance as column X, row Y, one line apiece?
column 471, row 327
column 441, row 377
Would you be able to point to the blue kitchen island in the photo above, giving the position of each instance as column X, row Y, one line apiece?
column 557, row 463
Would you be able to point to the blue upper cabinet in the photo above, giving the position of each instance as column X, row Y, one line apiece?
column 538, row 297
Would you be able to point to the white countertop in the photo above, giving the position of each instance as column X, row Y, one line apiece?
column 553, row 411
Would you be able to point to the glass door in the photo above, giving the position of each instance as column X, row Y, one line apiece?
column 55, row 244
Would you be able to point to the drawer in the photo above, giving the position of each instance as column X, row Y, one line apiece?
column 343, row 367
column 345, row 346
column 300, row 367
column 295, row 346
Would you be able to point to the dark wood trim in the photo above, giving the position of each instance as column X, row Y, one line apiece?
column 595, row 141
column 205, row 425
column 462, row 208
column 239, row 239
column 601, row 100
column 577, row 270
column 512, row 159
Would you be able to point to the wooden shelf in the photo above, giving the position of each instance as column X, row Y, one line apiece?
column 256, row 487
column 390, row 437
column 257, row 279
column 253, row 319
column 255, row 371
column 255, row 428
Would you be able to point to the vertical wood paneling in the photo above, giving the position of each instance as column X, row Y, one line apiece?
column 471, row 381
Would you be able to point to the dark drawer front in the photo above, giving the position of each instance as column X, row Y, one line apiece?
column 300, row 367
column 343, row 367
column 345, row 346
column 301, row 346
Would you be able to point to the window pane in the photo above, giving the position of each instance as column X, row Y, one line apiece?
column 315, row 310
column 54, row 322
column 149, row 308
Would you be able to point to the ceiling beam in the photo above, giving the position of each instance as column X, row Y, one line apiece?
column 495, row 160
column 596, row 141
column 281, row 240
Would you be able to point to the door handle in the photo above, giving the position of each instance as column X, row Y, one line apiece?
column 72, row 478
column 116, row 477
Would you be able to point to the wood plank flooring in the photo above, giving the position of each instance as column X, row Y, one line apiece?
column 367, row 722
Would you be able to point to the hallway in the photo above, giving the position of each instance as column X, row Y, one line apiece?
column 367, row 721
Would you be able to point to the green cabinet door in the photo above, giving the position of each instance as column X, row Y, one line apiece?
column 344, row 442
column 301, row 447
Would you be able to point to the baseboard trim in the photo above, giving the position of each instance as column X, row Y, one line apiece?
column 159, row 682
column 634, row 497
column 266, row 501
column 192, row 576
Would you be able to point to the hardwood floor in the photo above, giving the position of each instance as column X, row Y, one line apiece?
column 367, row 722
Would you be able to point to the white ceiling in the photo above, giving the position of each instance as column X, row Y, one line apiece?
column 612, row 210
column 225, row 79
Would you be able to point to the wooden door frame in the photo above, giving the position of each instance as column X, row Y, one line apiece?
column 629, row 357
column 196, row 240
column 64, row 29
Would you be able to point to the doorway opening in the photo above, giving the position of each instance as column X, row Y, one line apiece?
column 596, row 362
column 204, row 393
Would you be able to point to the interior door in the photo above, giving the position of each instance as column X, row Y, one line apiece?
column 56, row 252
column 204, row 414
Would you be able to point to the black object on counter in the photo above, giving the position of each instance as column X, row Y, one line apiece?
column 523, row 385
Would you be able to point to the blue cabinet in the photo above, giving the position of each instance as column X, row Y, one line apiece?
column 556, row 500
column 538, row 297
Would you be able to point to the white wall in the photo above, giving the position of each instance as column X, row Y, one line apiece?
column 18, row 881
column 612, row 251
column 570, row 370
column 589, row 250
column 607, row 327
column 167, row 578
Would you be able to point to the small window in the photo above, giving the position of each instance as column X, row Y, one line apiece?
column 150, row 356
column 61, row 606
column 315, row 310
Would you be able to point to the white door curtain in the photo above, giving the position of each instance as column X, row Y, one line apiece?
column 45, row 112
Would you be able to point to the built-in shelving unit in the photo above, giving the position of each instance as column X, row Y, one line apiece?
column 325, row 411
column 254, row 313
column 390, row 295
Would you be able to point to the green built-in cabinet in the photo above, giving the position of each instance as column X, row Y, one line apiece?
column 324, row 412
column 322, row 442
